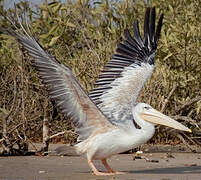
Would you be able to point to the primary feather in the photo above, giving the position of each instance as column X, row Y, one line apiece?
column 63, row 88
column 122, row 78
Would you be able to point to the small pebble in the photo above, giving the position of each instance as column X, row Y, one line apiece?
column 41, row 172
column 139, row 152
column 136, row 157
column 190, row 165
column 169, row 155
column 153, row 161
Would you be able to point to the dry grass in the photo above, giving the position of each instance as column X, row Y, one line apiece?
column 84, row 38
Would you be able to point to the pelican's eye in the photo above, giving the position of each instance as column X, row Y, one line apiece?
column 146, row 107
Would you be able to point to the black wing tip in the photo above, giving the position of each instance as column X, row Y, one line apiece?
column 134, row 46
column 126, row 33
column 147, row 27
column 135, row 43
column 158, row 29
column 151, row 35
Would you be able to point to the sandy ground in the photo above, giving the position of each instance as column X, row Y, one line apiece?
column 151, row 166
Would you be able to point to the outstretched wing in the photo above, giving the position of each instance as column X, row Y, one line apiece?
column 62, row 86
column 125, row 74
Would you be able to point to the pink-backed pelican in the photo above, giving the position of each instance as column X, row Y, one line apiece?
column 106, row 119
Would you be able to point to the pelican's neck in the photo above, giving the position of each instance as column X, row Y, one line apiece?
column 147, row 129
column 144, row 125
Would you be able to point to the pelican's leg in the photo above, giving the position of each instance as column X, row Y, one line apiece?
column 110, row 170
column 104, row 161
column 96, row 172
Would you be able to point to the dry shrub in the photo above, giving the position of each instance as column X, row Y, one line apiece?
column 84, row 38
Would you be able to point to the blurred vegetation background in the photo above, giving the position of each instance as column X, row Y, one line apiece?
column 83, row 35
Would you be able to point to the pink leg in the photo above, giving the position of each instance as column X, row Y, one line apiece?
column 96, row 172
column 110, row 170
column 104, row 161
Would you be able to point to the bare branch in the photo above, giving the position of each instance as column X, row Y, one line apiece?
column 185, row 143
column 60, row 133
column 45, row 134
column 185, row 118
column 16, row 109
column 188, row 103
column 13, row 103
column 167, row 99
column 1, row 140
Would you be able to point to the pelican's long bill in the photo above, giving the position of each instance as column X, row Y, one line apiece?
column 157, row 117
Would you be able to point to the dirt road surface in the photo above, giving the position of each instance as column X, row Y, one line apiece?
column 146, row 166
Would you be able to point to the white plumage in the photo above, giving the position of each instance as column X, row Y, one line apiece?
column 124, row 92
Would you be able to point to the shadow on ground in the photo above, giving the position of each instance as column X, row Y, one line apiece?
column 170, row 170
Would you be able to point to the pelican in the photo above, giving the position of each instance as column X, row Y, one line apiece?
column 108, row 120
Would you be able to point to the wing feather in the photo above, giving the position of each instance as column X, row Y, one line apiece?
column 63, row 88
column 137, row 36
column 122, row 78
column 152, row 23
column 146, row 28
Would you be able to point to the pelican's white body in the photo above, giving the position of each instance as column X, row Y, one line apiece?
column 119, row 139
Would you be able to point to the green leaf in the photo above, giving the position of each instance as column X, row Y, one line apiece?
column 4, row 111
column 169, row 55
column 44, row 36
column 70, row 24
column 54, row 40
column 53, row 30
column 57, row 7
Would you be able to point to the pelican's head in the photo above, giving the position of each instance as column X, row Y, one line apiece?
column 147, row 113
